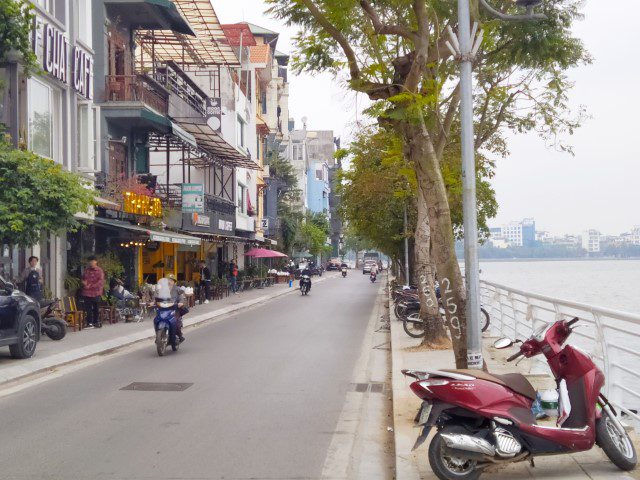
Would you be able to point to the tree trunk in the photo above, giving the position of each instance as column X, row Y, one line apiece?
column 436, row 334
column 432, row 188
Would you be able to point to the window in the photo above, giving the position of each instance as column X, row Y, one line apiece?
column 242, row 198
column 319, row 174
column 240, row 132
column 263, row 102
column 41, row 119
column 84, row 21
column 85, row 148
column 55, row 7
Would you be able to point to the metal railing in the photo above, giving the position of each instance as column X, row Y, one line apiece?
column 136, row 88
column 611, row 337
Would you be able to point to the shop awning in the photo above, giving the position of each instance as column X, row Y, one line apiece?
column 153, row 234
column 208, row 47
column 183, row 135
column 213, row 144
column 149, row 14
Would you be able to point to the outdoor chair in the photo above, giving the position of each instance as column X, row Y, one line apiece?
column 71, row 314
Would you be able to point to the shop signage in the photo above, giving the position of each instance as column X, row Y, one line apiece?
column 265, row 223
column 139, row 204
column 193, row 197
column 201, row 220
column 225, row 225
column 214, row 113
column 52, row 47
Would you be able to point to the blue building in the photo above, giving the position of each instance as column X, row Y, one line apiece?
column 318, row 187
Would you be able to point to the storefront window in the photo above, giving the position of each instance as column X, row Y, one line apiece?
column 40, row 119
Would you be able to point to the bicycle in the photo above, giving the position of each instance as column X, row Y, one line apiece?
column 414, row 326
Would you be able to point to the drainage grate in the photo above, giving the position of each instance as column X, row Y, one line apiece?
column 157, row 387
column 373, row 387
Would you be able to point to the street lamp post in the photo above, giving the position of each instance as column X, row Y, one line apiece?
column 465, row 46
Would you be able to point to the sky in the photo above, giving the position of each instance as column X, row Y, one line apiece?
column 598, row 187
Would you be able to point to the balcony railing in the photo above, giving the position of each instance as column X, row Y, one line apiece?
column 136, row 88
column 172, row 198
column 178, row 82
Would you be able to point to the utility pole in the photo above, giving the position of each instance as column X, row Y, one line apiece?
column 470, row 219
column 465, row 46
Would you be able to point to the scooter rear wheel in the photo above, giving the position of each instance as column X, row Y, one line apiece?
column 619, row 448
column 448, row 467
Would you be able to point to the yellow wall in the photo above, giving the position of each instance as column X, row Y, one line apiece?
column 167, row 253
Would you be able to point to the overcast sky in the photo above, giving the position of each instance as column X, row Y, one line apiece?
column 597, row 188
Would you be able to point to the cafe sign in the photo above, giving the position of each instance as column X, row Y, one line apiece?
column 73, row 66
column 139, row 204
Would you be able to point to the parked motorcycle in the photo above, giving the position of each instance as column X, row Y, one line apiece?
column 51, row 324
column 166, row 325
column 373, row 276
column 344, row 272
column 483, row 419
column 305, row 284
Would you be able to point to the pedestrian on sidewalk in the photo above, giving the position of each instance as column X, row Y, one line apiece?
column 205, row 280
column 92, row 289
column 32, row 278
column 233, row 276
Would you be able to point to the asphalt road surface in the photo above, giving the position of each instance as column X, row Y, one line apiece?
column 268, row 387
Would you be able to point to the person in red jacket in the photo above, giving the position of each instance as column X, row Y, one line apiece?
column 92, row 289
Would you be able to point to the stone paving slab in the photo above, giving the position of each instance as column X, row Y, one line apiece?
column 96, row 341
column 591, row 465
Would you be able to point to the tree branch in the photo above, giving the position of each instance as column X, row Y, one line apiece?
column 354, row 70
column 381, row 28
column 448, row 120
column 422, row 47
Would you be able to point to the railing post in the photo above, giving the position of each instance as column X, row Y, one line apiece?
column 602, row 341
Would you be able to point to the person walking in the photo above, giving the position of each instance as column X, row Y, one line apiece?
column 92, row 289
column 32, row 278
column 205, row 280
column 233, row 276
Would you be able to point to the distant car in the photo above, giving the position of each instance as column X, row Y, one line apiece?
column 366, row 268
column 19, row 321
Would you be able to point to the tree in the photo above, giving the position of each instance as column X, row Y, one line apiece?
column 37, row 196
column 395, row 53
column 289, row 217
column 16, row 18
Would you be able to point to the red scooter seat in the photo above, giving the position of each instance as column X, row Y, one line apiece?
column 513, row 381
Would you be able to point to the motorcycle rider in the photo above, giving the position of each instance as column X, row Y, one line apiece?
column 177, row 296
column 306, row 271
column 374, row 270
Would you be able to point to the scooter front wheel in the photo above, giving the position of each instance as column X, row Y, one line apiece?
column 161, row 341
column 449, row 467
column 616, row 445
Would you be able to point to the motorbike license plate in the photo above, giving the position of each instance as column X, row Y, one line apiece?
column 425, row 411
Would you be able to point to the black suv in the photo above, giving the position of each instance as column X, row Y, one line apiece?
column 19, row 321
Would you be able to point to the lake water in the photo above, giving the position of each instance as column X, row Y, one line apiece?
column 613, row 284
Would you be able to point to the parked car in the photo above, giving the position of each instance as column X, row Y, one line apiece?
column 19, row 321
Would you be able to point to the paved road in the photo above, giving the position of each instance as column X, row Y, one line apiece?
column 268, row 388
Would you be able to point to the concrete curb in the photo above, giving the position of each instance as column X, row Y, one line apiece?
column 37, row 366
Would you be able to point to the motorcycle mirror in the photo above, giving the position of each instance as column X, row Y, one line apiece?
column 503, row 343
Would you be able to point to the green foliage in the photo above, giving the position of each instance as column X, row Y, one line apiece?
column 16, row 17
column 111, row 265
column 37, row 196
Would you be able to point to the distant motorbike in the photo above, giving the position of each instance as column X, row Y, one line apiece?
column 166, row 325
column 51, row 325
column 305, row 284
column 344, row 272
column 373, row 276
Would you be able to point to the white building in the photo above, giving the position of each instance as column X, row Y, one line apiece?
column 591, row 240
column 635, row 235
column 512, row 233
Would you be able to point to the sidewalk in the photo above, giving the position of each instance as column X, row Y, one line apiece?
column 91, row 342
column 415, row 465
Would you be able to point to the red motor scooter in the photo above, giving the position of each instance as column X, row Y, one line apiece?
column 484, row 419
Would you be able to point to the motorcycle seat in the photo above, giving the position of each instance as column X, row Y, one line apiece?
column 513, row 381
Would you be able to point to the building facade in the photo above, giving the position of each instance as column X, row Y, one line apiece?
column 591, row 240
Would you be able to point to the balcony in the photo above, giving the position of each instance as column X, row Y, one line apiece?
column 137, row 89
column 187, row 99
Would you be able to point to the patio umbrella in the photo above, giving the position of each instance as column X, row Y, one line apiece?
column 264, row 253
